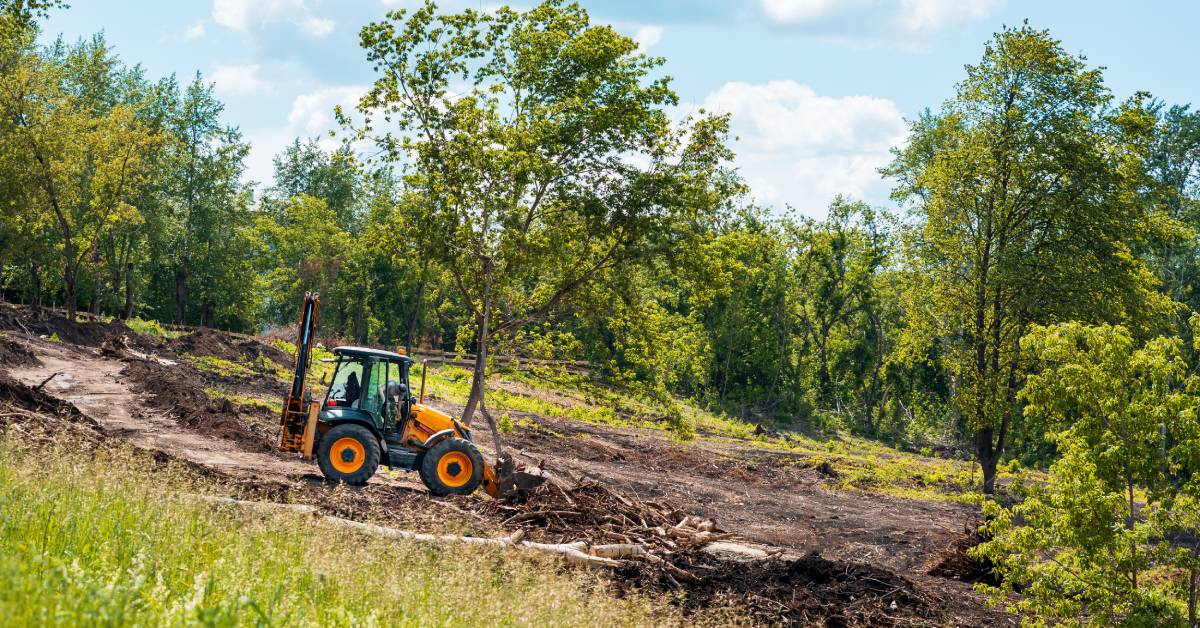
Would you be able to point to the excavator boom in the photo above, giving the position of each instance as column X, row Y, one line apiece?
column 298, row 421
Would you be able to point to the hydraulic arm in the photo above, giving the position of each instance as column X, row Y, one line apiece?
column 299, row 420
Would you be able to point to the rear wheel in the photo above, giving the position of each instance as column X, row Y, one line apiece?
column 452, row 467
column 348, row 453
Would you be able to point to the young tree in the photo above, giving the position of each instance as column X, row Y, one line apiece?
column 1122, row 491
column 542, row 147
column 1026, row 185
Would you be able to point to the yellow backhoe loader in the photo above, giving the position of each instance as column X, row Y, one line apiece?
column 368, row 417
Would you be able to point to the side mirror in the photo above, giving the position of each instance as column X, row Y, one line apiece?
column 323, row 376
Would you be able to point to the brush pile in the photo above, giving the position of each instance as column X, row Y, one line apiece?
column 556, row 511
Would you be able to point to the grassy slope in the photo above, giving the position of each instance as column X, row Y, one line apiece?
column 859, row 464
column 109, row 541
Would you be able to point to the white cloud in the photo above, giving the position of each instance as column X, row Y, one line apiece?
column 238, row 79
column 311, row 116
column 648, row 36
column 876, row 19
column 241, row 15
column 316, row 27
column 797, row 147
column 788, row 11
column 233, row 14
column 932, row 15
column 194, row 31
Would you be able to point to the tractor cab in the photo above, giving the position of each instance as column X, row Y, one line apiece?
column 370, row 386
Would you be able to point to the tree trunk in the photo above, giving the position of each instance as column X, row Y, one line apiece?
column 35, row 278
column 180, row 295
column 989, row 457
column 128, row 291
column 479, row 377
column 96, row 296
column 410, row 337
column 69, row 280
column 208, row 313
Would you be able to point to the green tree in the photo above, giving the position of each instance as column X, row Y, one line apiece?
column 87, row 148
column 1125, row 425
column 1174, row 162
column 542, row 146
column 305, row 168
column 304, row 249
column 1026, row 184
column 211, row 230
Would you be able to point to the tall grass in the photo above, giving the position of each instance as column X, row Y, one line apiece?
column 99, row 538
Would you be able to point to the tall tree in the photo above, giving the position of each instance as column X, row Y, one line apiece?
column 212, row 205
column 1026, row 185
column 543, row 147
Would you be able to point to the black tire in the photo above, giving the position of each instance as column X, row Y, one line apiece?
column 444, row 468
column 348, row 453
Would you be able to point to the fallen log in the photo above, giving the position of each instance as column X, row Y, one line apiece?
column 578, row 553
column 574, row 552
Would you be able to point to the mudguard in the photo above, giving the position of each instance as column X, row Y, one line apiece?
column 335, row 416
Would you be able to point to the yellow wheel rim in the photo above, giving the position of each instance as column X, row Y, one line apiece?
column 455, row 469
column 347, row 455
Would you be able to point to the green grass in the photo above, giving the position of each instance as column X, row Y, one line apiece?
column 152, row 328
column 219, row 366
column 98, row 538
column 275, row 405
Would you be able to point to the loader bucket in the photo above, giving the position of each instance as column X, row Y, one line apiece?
column 502, row 479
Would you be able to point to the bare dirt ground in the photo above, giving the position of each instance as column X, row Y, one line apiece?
column 845, row 537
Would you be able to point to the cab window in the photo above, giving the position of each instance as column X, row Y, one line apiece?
column 375, row 393
column 346, row 388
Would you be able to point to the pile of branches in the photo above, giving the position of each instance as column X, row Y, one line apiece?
column 557, row 511
column 602, row 522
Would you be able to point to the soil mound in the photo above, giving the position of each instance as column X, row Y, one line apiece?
column 15, row 354
column 172, row 389
column 811, row 590
column 54, row 325
column 954, row 563
column 41, row 417
column 227, row 347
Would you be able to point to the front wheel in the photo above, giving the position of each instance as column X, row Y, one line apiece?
column 348, row 453
column 452, row 467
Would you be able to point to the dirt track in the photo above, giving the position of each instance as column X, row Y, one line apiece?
column 764, row 497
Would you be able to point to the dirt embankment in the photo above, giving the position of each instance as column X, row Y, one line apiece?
column 227, row 347
column 180, row 396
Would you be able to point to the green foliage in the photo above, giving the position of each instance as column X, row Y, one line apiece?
column 1092, row 539
column 1029, row 186
column 151, row 328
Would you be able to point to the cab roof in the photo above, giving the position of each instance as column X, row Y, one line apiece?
column 367, row 352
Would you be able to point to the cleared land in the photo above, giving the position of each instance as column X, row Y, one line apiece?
column 856, row 530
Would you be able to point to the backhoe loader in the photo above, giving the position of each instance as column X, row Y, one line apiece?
column 368, row 417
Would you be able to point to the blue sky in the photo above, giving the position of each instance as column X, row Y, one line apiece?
column 818, row 89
